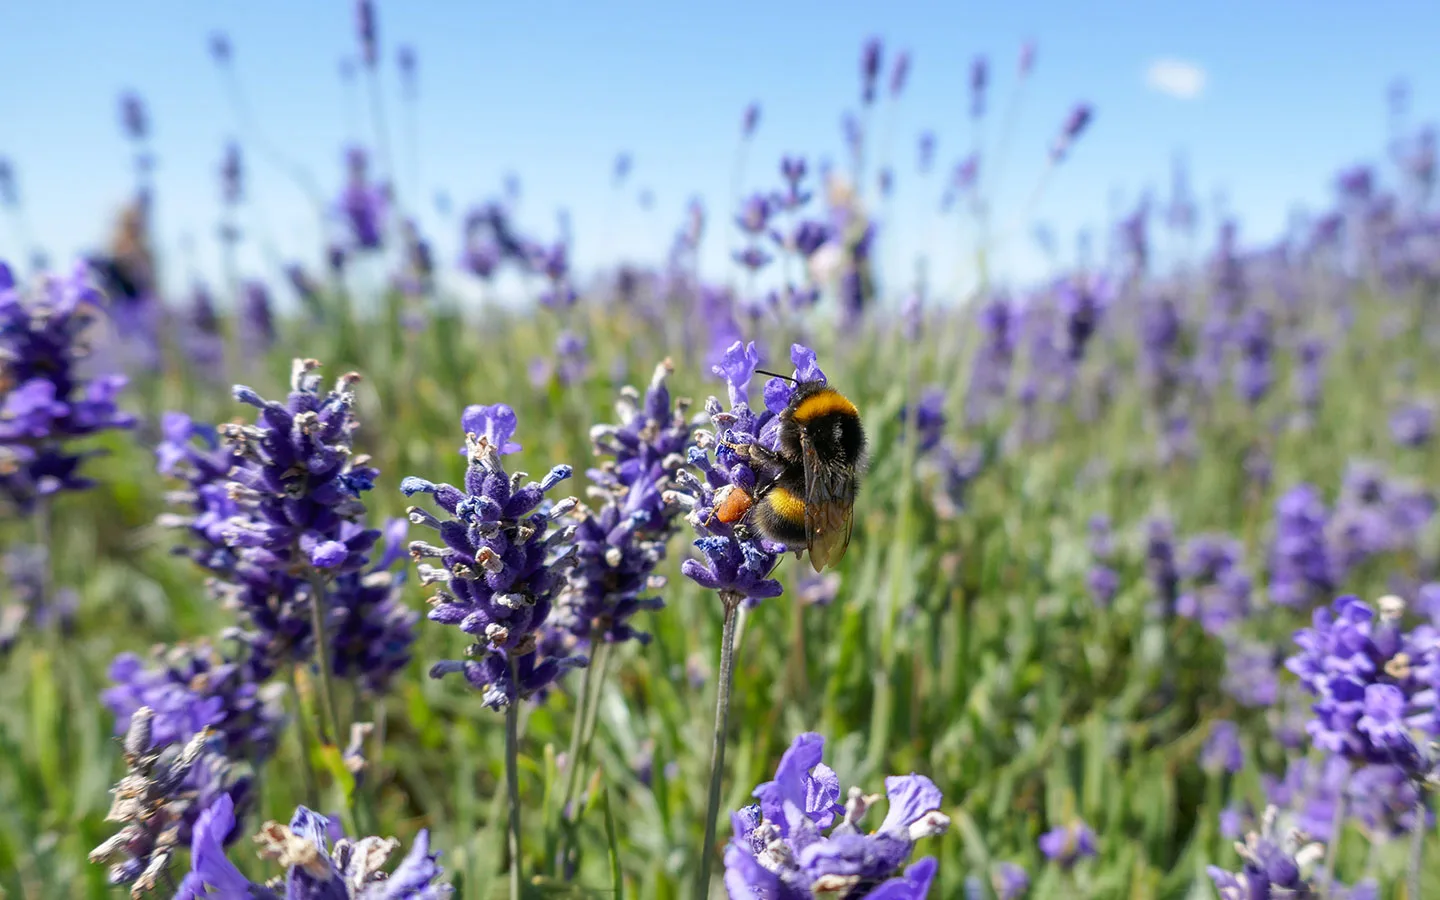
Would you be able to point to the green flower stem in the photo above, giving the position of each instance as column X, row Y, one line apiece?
column 731, row 601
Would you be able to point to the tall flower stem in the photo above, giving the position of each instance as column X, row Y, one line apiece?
column 577, row 731
column 307, row 768
column 512, row 778
column 731, row 601
column 1417, row 849
column 322, row 659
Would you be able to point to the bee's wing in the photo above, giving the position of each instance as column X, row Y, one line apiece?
column 829, row 508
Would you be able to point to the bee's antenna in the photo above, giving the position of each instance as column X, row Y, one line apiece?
column 776, row 375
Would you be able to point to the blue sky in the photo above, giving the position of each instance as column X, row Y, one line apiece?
column 553, row 90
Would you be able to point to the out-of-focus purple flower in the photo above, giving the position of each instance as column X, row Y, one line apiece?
column 1250, row 672
column 1254, row 372
column 1301, row 568
column 1309, row 373
column 1068, row 844
column 1103, row 583
column 1222, row 748
column 257, row 319
column 406, row 62
column 979, row 75
column 899, row 73
column 200, row 336
column 930, row 419
column 925, row 159
column 1009, row 881
column 25, row 569
column 1413, row 424
column 362, row 206
column 1374, row 684
column 1356, row 185
column 1075, row 124
column 365, row 30
column 994, row 361
column 780, row 849
column 232, row 175
column 220, row 48
column 374, row 631
column 317, row 865
column 133, row 119
column 620, row 544
column 1081, row 303
column 754, row 215
column 1376, row 514
column 749, row 121
column 1273, row 865
column 1160, row 564
column 815, row 589
column 45, row 401
column 9, row 195
column 1217, row 588
column 870, row 57
column 1026, row 63
column 501, row 570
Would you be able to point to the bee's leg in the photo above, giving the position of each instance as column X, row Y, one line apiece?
column 753, row 451
column 744, row 532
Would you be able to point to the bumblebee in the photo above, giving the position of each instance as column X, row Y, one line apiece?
column 806, row 496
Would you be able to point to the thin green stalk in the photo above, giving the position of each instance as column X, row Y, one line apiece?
column 1417, row 849
column 512, row 780
column 322, row 660
column 592, row 712
column 302, row 740
column 731, row 601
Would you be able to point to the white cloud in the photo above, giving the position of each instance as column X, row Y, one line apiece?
column 1176, row 78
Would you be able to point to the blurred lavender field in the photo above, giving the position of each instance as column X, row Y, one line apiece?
column 1142, row 599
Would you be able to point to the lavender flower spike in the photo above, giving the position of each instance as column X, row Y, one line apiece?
column 780, row 849
column 501, row 567
column 315, row 868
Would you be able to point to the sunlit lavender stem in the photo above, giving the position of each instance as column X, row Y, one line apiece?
column 731, row 601
column 512, row 779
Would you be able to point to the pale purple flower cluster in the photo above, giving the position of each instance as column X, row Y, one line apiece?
column 1102, row 580
column 1413, row 424
column 320, row 865
column 1376, row 514
column 620, row 544
column 1066, row 845
column 30, row 604
column 781, row 851
column 46, row 404
column 1273, row 865
column 994, row 360
column 501, row 564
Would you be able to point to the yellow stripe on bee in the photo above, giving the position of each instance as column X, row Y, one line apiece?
column 787, row 504
column 823, row 404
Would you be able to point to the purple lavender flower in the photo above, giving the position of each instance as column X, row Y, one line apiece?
column 925, row 152
column 220, row 48
column 1161, row 566
column 133, row 120
column 151, row 802
column 1375, row 684
column 1413, row 424
column 1026, row 63
column 979, row 75
column 365, row 30
column 1075, row 124
column 45, row 402
column 374, row 631
column 1068, row 844
column 749, row 120
column 870, row 55
column 1301, row 568
column 1272, row 864
column 1250, row 672
column 362, row 206
column 1254, row 372
column 899, row 73
column 994, row 361
column 731, row 564
column 1218, row 590
column 194, row 690
column 930, row 419
column 620, row 544
column 501, row 570
column 405, row 61
column 1009, row 881
column 257, row 319
column 780, row 850
column 316, row 867
column 232, row 175
column 26, row 571
column 1222, row 748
